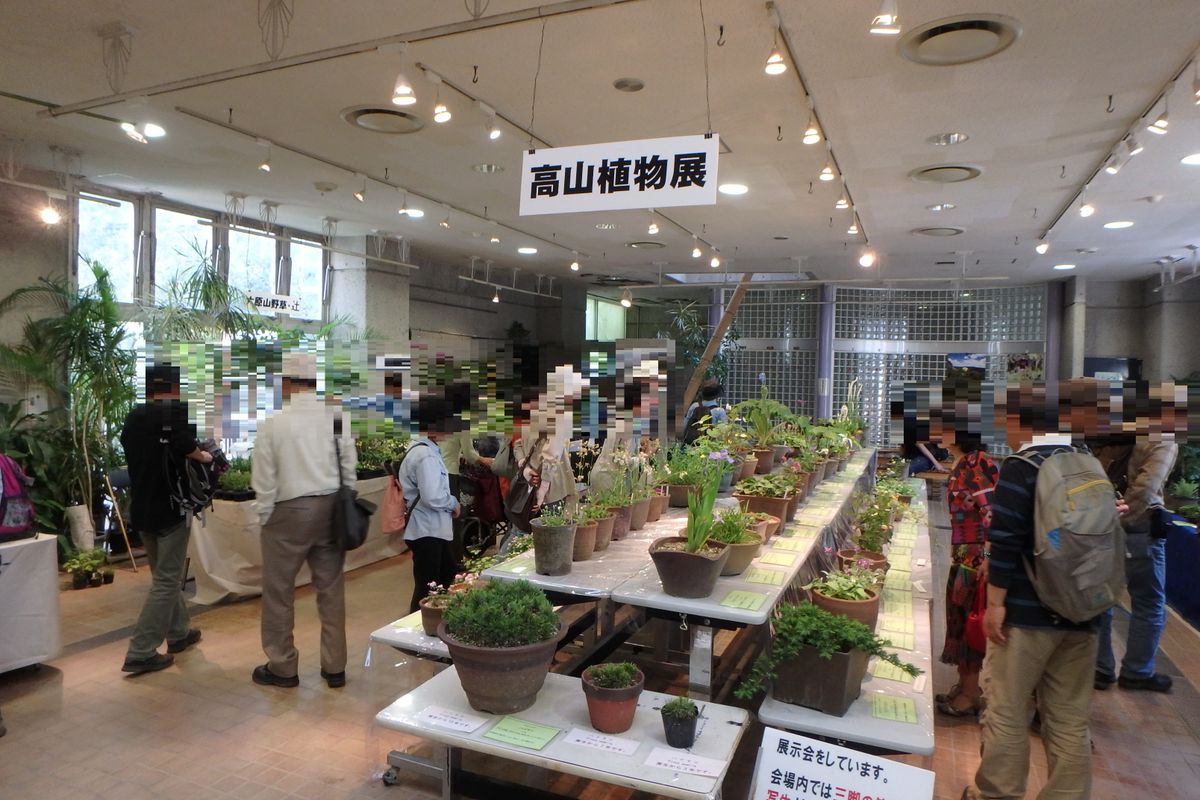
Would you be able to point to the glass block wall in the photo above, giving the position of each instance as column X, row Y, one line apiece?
column 777, row 331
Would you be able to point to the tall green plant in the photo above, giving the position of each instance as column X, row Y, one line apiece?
column 691, row 332
column 700, row 501
column 201, row 305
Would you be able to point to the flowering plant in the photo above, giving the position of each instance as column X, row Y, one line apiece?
column 700, row 503
column 438, row 597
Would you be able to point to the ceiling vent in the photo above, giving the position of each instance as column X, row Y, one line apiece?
column 646, row 245
column 941, row 230
column 377, row 119
column 946, row 173
column 960, row 39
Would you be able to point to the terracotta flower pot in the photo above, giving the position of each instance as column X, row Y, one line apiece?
column 687, row 574
column 585, row 541
column 658, row 505
column 766, row 460
column 775, row 506
column 679, row 732
column 830, row 468
column 773, row 526
column 749, row 466
column 865, row 611
column 793, row 504
column 639, row 514
column 431, row 615
column 740, row 556
column 501, row 680
column 764, row 529
column 828, row 685
column 678, row 494
column 611, row 710
column 552, row 548
column 604, row 529
column 849, row 558
column 621, row 518
column 801, row 485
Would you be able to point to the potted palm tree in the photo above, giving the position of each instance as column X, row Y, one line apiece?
column 553, row 543
column 679, row 722
column 735, row 529
column 817, row 659
column 502, row 637
column 612, row 692
column 851, row 593
column 689, row 565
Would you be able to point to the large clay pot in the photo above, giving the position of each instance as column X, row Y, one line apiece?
column 874, row 561
column 828, row 685
column 552, row 548
column 611, row 710
column 501, row 680
column 639, row 513
column 865, row 611
column 431, row 615
column 781, row 452
column 775, row 506
column 678, row 494
column 749, row 466
column 766, row 460
column 604, row 529
column 687, row 574
column 740, row 556
column 658, row 505
column 621, row 519
column 585, row 541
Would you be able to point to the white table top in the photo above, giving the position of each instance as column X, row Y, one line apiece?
column 561, row 705
column 407, row 634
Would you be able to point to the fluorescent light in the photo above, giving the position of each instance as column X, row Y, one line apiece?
column 50, row 216
column 867, row 259
column 1118, row 225
column 1042, row 247
column 887, row 21
column 1064, row 267
column 1086, row 210
column 1192, row 161
column 626, row 298
column 527, row 251
column 775, row 63
column 733, row 188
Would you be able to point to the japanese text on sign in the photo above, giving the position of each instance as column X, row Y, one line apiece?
column 274, row 302
column 645, row 173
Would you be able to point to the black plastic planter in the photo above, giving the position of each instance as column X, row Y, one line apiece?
column 680, row 732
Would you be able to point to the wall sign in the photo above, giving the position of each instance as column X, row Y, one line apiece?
column 792, row 767
column 645, row 173
column 274, row 303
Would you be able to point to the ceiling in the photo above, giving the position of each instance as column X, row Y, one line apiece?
column 1037, row 115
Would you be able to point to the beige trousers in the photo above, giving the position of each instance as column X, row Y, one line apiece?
column 1058, row 665
column 299, row 532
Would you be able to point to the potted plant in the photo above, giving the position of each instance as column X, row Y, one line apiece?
column 734, row 528
column 689, row 565
column 851, row 593
column 585, row 537
column 83, row 565
column 612, row 692
column 107, row 575
column 553, row 543
column 679, row 722
column 502, row 638
column 796, row 476
column 767, row 525
column 433, row 606
column 639, row 512
column 817, row 659
column 234, row 483
column 685, row 470
column 766, row 493
column 873, row 531
column 659, row 502
column 616, row 502
column 735, row 440
column 599, row 514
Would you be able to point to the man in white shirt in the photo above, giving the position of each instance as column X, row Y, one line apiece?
column 295, row 479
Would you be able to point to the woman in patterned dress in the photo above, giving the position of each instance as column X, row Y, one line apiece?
column 969, row 493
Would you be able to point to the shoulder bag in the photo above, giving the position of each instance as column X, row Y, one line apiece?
column 351, row 514
column 518, row 505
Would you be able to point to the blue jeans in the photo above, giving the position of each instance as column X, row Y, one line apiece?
column 1145, row 574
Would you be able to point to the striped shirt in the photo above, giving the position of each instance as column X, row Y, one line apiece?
column 1011, row 540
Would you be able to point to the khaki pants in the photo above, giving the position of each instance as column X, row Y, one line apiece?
column 299, row 532
column 1058, row 665
column 164, row 614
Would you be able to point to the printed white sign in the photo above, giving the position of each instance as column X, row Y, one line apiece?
column 451, row 720
column 645, row 173
column 678, row 761
column 274, row 303
column 609, row 744
column 799, row 768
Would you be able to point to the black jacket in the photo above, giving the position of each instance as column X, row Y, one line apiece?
column 150, row 429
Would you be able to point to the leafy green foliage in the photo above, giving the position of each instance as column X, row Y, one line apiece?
column 680, row 708
column 590, row 512
column 700, row 503
column 555, row 520
column 501, row 614
column 691, row 332
column 234, row 480
column 42, row 445
column 620, row 675
column 733, row 527
column 799, row 626
column 765, row 486
column 853, row 584
column 896, row 487
column 1184, row 488
column 374, row 452
column 87, row 561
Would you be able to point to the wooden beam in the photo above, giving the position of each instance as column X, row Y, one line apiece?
column 714, row 344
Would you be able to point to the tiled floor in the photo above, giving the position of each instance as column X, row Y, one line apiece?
column 79, row 729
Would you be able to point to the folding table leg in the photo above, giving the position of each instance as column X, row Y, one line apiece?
column 453, row 765
column 700, row 663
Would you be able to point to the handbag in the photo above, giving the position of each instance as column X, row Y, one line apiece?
column 351, row 514
column 518, row 505
column 975, row 633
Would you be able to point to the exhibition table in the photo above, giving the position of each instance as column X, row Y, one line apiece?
column 638, row 759
column 407, row 634
column 29, row 599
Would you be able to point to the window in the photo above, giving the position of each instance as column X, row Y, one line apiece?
column 308, row 270
column 605, row 320
column 252, row 262
column 180, row 245
column 106, row 237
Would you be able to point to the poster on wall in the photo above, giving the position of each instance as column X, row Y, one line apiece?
column 967, row 366
column 1026, row 367
column 644, row 173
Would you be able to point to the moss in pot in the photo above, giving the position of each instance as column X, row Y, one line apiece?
column 679, row 722
column 612, row 692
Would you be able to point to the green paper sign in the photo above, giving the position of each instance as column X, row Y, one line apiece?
column 516, row 566
column 767, row 576
column 410, row 623
column 750, row 601
column 778, row 559
column 896, row 624
column 522, row 733
column 896, row 709
column 901, row 581
column 897, row 608
column 890, row 672
column 901, row 641
column 792, row 545
column 895, row 550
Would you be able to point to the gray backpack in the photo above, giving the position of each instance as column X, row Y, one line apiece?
column 1078, row 567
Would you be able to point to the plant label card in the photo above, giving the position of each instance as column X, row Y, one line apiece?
column 793, row 545
column 522, row 733
column 902, row 595
column 899, row 550
column 778, row 559
column 516, row 566
column 898, row 580
column 902, row 562
column 890, row 672
column 901, row 641
column 894, row 624
column 681, row 761
column 894, row 607
column 768, row 576
column 410, row 623
column 451, row 720
column 598, row 741
column 896, row 709
column 751, row 601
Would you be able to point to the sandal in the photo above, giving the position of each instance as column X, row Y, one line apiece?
column 951, row 711
column 946, row 697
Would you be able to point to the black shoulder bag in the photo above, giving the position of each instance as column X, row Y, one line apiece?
column 518, row 504
column 351, row 514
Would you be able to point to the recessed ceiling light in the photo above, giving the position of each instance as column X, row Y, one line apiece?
column 487, row 169
column 628, row 85
column 936, row 207
column 527, row 251
column 1192, row 161
column 1118, row 225
column 947, row 139
column 606, row 226
column 1064, row 267
column 733, row 188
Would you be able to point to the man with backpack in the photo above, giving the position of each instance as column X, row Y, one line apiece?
column 157, row 436
column 705, row 413
column 1056, row 551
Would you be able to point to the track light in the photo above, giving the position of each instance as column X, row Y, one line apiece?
column 441, row 114
column 812, row 134
column 1086, row 210
column 402, row 92
column 827, row 172
column 265, row 166
column 853, row 229
column 1196, row 86
column 842, row 203
column 493, row 129
column 1133, row 145
column 1159, row 125
column 1114, row 164
column 574, row 261
column 445, row 223
column 887, row 21
column 715, row 261
column 775, row 63
column 408, row 211
column 626, row 298
column 495, row 239
column 361, row 194
column 1043, row 247
column 49, row 214
column 143, row 133
column 867, row 259
column 496, row 296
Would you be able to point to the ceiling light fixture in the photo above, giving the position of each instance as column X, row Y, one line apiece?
column 1161, row 121
column 1196, row 81
column 853, row 229
column 627, row 298
column 715, row 261
column 1133, row 145
column 445, row 223
column 1086, row 210
column 495, row 239
column 696, row 247
column 406, row 211
column 734, row 189
column 1114, row 164
column 936, row 207
column 812, row 134
column 361, row 194
column 402, row 92
column 866, row 260
column 887, row 21
column 441, row 114
column 1043, row 247
column 1064, row 267
column 1118, row 225
column 496, row 296
column 827, row 172
column 49, row 214
column 527, row 251
column 493, row 128
column 775, row 63
column 144, row 133
column 574, row 261
column 1192, row 160
column 842, row 203
column 652, row 228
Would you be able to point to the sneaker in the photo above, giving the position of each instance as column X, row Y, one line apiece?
column 1102, row 681
column 154, row 663
column 189, row 639
column 1155, row 683
column 336, row 680
column 263, row 676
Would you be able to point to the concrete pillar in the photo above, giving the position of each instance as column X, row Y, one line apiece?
column 371, row 294
column 825, row 353
column 1074, row 329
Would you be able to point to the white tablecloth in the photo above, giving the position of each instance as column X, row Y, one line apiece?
column 28, row 602
column 227, row 555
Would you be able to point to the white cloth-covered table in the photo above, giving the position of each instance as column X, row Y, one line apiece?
column 28, row 602
column 226, row 551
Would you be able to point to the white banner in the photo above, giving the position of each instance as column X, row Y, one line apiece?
column 646, row 173
column 273, row 303
column 798, row 768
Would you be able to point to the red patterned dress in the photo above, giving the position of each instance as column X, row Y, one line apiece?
column 969, row 494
